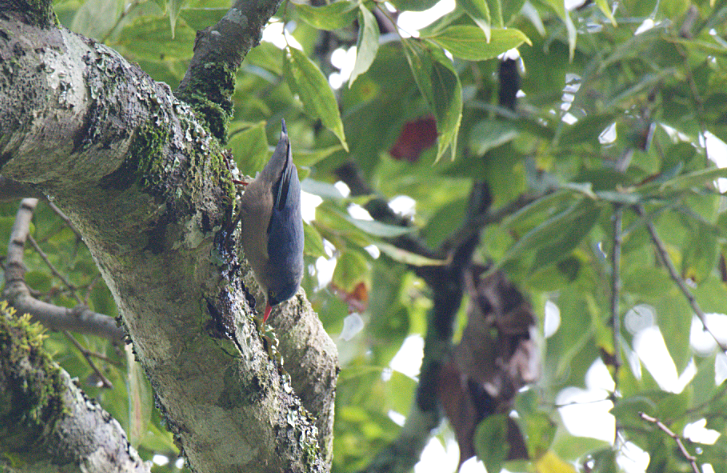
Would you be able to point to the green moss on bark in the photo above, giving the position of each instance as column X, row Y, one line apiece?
column 34, row 391
column 38, row 13
column 211, row 97
column 144, row 164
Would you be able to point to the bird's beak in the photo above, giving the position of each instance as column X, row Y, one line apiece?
column 268, row 308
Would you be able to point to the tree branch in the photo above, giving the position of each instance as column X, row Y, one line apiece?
column 79, row 319
column 209, row 82
column 447, row 285
column 46, row 422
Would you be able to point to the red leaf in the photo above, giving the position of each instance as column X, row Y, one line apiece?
column 415, row 137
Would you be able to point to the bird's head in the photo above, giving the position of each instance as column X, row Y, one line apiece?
column 280, row 294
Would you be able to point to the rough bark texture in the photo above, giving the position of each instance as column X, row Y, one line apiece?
column 149, row 188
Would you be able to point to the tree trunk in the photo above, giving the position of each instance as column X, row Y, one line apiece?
column 150, row 190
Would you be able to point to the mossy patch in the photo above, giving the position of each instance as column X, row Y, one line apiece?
column 35, row 387
column 39, row 13
column 143, row 165
column 210, row 97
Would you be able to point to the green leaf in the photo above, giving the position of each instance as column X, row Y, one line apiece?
column 625, row 198
column 383, row 230
column 559, row 7
column 700, row 253
column 440, row 225
column 328, row 17
column 305, row 79
column 399, row 391
column 647, row 283
column 547, row 205
column 551, row 240
column 674, row 317
column 313, row 242
column 321, row 189
column 539, row 429
column 711, row 295
column 407, row 257
column 604, row 461
column 150, row 39
column 606, row 10
column 491, row 443
column 367, row 44
column 413, row 5
column 579, row 225
column 470, row 43
column 308, row 157
column 495, row 8
column 572, row 448
column 511, row 8
column 351, row 267
column 250, row 148
column 585, row 130
column 173, row 7
column 480, row 14
column 201, row 18
column 88, row 22
column 697, row 178
column 440, row 86
column 703, row 383
column 571, row 350
column 489, row 134
column 139, row 398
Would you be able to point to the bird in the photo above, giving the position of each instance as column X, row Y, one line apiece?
column 272, row 226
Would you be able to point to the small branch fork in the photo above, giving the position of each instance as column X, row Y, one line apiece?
column 79, row 319
column 688, row 456
column 18, row 293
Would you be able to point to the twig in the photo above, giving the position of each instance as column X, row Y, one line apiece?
column 581, row 403
column 53, row 269
column 86, row 354
column 65, row 219
column 616, row 288
column 689, row 457
column 89, row 289
column 127, row 10
column 696, row 98
column 615, row 298
column 676, row 277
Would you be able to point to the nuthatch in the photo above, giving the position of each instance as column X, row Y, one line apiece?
column 272, row 227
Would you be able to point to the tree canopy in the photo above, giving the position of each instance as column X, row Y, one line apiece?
column 533, row 189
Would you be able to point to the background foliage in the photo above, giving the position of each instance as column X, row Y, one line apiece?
column 610, row 125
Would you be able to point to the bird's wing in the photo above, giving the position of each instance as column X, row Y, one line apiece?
column 283, row 185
